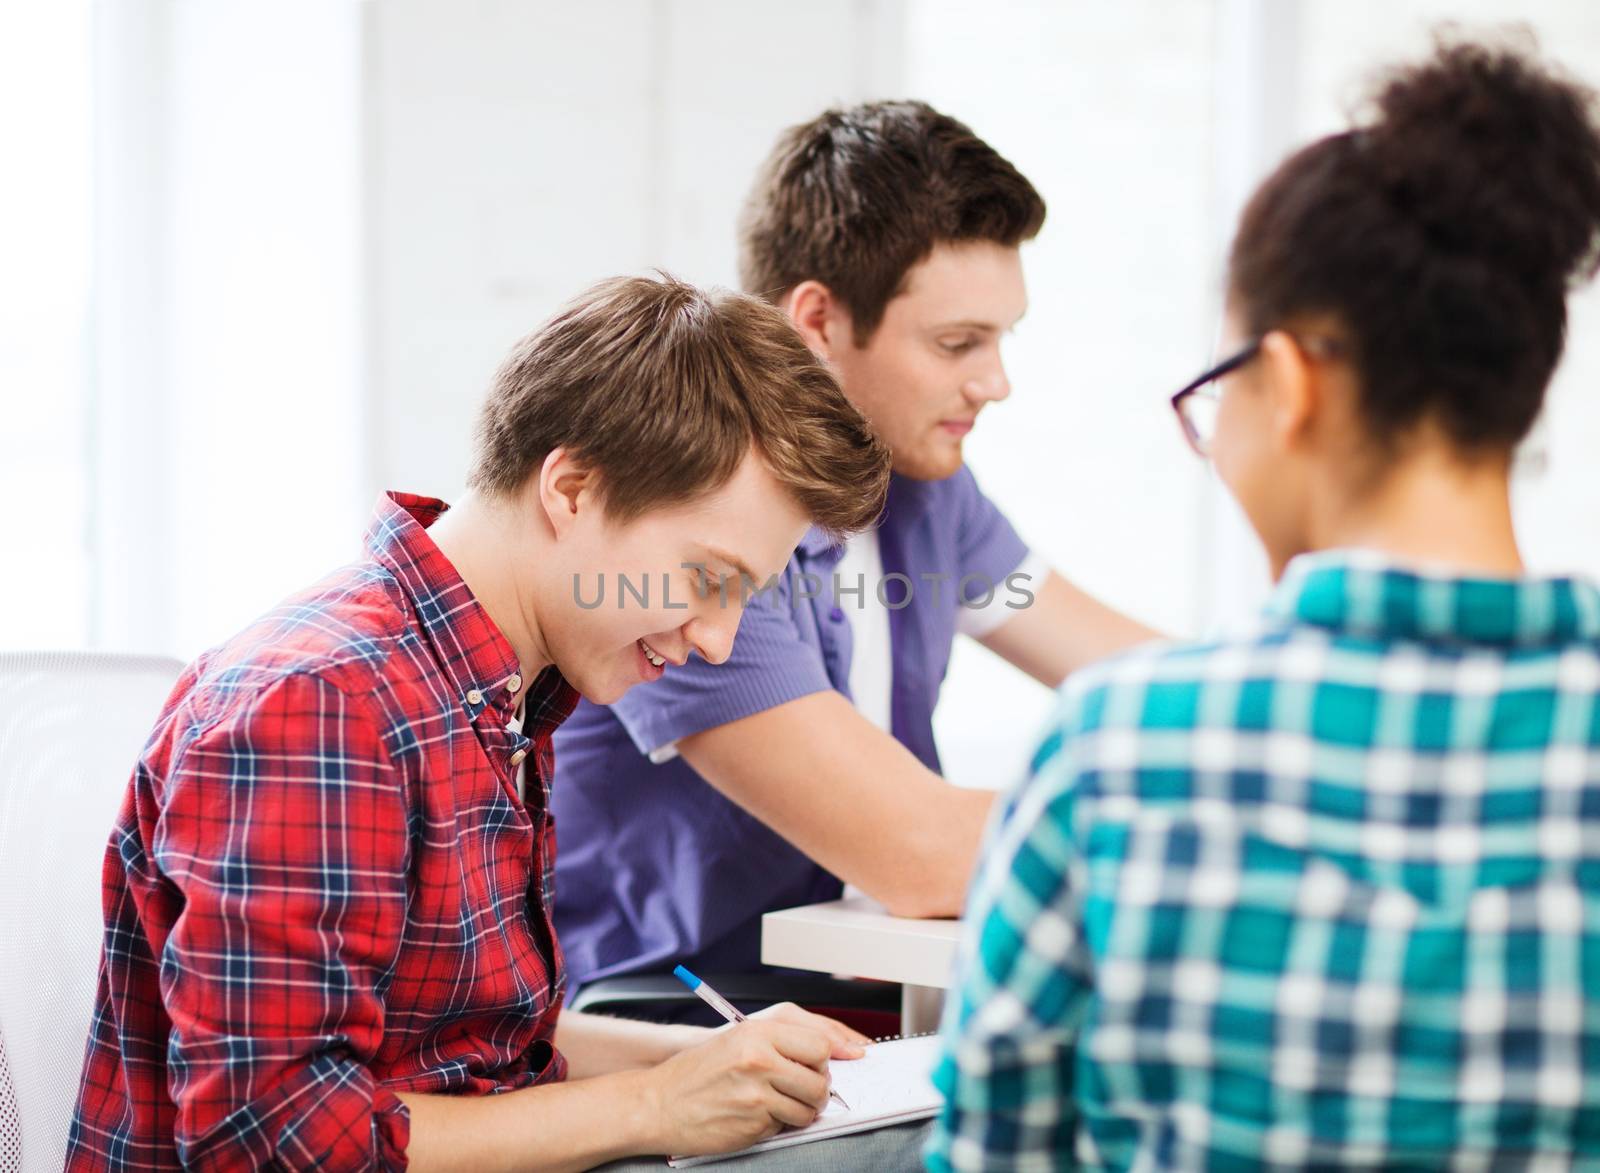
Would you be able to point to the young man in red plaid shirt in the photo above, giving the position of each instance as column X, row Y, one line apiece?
column 328, row 939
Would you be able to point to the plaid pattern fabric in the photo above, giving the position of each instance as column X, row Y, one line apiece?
column 322, row 886
column 1326, row 895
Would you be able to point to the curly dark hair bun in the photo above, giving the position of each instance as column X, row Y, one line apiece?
column 1442, row 235
column 1493, row 155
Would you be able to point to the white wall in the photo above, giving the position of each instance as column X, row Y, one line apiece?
column 227, row 439
column 1109, row 110
column 320, row 226
column 45, row 214
column 518, row 152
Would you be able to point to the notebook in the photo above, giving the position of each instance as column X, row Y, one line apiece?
column 891, row 1084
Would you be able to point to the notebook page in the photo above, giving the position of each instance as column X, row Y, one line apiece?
column 891, row 1078
column 891, row 1084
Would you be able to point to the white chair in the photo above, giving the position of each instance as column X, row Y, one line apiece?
column 71, row 727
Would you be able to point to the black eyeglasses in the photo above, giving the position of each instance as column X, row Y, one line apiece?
column 1198, row 402
column 1196, row 405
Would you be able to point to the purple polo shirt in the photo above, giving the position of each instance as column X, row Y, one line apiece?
column 655, row 867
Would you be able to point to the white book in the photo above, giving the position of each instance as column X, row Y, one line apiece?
column 891, row 1084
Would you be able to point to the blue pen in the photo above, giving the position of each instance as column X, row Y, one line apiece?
column 728, row 1010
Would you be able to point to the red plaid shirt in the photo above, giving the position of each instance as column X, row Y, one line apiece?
column 323, row 887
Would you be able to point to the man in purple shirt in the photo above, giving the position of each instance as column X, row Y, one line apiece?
column 890, row 234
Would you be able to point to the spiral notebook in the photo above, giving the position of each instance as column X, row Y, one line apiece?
column 891, row 1084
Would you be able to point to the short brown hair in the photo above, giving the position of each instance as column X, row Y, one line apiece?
column 854, row 198
column 662, row 389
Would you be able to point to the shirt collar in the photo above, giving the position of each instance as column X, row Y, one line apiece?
column 907, row 499
column 476, row 657
column 816, row 541
column 1363, row 593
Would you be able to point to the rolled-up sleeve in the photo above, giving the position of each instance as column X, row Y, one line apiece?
column 989, row 554
column 987, row 544
column 284, row 833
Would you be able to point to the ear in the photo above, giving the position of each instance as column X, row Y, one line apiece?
column 564, row 488
column 1290, row 381
column 819, row 316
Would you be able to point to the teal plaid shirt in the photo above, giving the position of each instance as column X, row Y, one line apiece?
column 1326, row 894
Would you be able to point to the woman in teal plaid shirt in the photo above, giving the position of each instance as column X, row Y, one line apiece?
column 1327, row 892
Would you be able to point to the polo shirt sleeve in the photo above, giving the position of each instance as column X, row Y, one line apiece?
column 772, row 662
column 988, row 550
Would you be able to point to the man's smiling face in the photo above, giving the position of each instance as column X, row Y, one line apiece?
column 675, row 559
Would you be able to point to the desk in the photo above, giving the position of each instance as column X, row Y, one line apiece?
column 856, row 936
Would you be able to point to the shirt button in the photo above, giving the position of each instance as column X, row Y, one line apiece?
column 837, row 614
column 515, row 683
column 516, row 758
column 474, row 697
